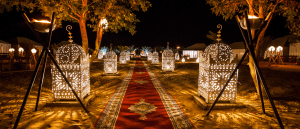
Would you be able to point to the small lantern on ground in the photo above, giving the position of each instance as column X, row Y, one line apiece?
column 177, row 57
column 122, row 58
column 33, row 51
column 279, row 52
column 21, row 51
column 11, row 52
column 100, row 54
column 168, row 60
column 155, row 57
column 127, row 55
column 182, row 60
column 110, row 61
column 271, row 53
column 215, row 67
column 74, row 62
column 149, row 57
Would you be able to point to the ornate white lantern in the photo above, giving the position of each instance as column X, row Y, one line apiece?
column 110, row 61
column 155, row 57
column 168, row 60
column 122, row 58
column 75, row 65
column 177, row 57
column 215, row 67
column 128, row 55
column 183, row 60
column 100, row 54
column 149, row 57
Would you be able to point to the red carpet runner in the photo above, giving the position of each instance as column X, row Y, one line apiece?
column 140, row 102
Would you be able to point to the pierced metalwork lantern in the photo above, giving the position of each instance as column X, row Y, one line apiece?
column 177, row 57
column 74, row 63
column 110, row 61
column 128, row 56
column 100, row 54
column 215, row 66
column 122, row 58
column 149, row 57
column 155, row 57
column 168, row 60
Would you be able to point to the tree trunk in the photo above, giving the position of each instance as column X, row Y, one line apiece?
column 84, row 36
column 97, row 43
column 257, row 54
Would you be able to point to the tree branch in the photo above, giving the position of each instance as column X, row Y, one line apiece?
column 73, row 17
column 73, row 10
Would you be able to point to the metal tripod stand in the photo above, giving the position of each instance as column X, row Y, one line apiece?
column 44, row 54
column 250, row 49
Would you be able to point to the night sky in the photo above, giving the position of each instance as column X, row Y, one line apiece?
column 180, row 22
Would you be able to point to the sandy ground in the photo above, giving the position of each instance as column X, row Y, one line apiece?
column 283, row 82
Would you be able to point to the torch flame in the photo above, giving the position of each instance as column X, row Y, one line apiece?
column 252, row 17
column 43, row 21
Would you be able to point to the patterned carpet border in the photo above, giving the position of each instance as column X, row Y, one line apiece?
column 177, row 117
column 110, row 114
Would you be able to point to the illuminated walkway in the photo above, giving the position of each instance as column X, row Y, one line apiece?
column 141, row 102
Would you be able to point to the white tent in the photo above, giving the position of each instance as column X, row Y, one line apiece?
column 238, row 49
column 4, row 46
column 194, row 50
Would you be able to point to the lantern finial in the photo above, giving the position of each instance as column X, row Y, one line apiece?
column 167, row 45
column 68, row 28
column 111, row 47
column 219, row 33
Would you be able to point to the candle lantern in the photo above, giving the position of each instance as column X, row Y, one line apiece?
column 215, row 66
column 122, row 58
column 11, row 52
column 182, row 60
column 149, row 57
column 100, row 54
column 74, row 63
column 168, row 60
column 110, row 61
column 21, row 50
column 128, row 56
column 155, row 57
column 177, row 57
